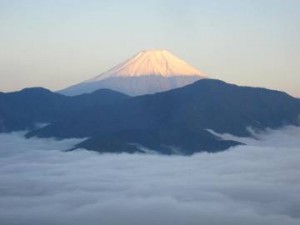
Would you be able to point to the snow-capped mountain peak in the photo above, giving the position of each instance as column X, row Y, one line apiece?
column 147, row 72
column 151, row 62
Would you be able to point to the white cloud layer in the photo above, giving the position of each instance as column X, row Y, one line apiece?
column 255, row 184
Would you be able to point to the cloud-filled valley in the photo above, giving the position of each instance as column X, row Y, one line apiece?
column 254, row 184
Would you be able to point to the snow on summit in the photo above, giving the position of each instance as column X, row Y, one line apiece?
column 147, row 72
column 151, row 62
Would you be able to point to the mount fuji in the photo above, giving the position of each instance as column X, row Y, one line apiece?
column 147, row 72
column 183, row 120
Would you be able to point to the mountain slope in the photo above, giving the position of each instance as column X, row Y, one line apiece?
column 177, row 120
column 150, row 62
column 25, row 109
column 147, row 72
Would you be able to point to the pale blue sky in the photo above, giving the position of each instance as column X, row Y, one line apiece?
column 61, row 42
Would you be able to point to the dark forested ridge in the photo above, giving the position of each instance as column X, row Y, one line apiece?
column 24, row 109
column 172, row 121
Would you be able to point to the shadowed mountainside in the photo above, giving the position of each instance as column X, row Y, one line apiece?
column 175, row 121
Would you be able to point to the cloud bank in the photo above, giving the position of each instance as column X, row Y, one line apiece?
column 254, row 184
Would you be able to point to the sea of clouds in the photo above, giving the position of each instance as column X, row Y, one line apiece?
column 254, row 184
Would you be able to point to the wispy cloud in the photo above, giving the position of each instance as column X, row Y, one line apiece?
column 254, row 184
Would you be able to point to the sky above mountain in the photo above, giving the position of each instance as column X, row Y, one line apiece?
column 58, row 43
